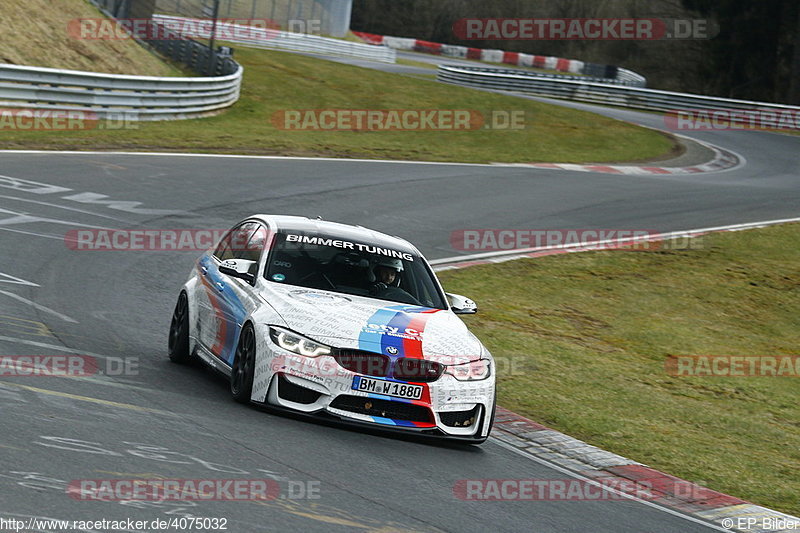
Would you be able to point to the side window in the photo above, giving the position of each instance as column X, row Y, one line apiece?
column 256, row 244
column 223, row 250
column 234, row 244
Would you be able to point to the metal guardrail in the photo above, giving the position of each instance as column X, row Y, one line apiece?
column 131, row 98
column 270, row 39
column 629, row 77
column 520, row 59
column 538, row 75
column 114, row 96
column 588, row 90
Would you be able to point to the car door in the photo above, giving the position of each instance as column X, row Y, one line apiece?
column 206, row 322
column 237, row 297
column 218, row 308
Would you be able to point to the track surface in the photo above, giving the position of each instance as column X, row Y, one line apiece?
column 118, row 304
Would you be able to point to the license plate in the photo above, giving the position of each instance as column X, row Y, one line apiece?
column 387, row 388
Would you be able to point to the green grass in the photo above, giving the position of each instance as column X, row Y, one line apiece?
column 582, row 341
column 276, row 81
column 418, row 64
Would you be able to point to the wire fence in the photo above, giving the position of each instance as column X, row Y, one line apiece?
column 325, row 17
column 270, row 39
column 196, row 56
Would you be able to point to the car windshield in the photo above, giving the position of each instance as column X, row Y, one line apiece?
column 333, row 264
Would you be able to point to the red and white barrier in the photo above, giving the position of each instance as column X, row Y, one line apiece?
column 462, row 52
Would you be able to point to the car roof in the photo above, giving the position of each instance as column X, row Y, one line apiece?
column 341, row 231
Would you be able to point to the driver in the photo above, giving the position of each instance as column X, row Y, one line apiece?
column 387, row 273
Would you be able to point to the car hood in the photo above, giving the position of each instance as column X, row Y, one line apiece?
column 361, row 323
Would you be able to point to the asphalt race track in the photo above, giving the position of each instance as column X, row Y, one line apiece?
column 178, row 422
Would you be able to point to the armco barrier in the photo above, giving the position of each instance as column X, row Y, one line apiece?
column 537, row 75
column 130, row 98
column 114, row 96
column 603, row 92
column 573, row 66
column 276, row 39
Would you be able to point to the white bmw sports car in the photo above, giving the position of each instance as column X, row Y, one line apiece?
column 336, row 321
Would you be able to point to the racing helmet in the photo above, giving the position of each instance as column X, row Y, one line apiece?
column 393, row 263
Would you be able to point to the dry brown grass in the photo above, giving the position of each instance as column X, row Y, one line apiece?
column 34, row 32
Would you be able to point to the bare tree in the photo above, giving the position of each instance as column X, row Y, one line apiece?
column 793, row 96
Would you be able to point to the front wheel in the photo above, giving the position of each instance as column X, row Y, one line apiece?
column 179, row 332
column 244, row 366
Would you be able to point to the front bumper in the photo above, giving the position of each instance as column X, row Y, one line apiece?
column 434, row 433
column 448, row 408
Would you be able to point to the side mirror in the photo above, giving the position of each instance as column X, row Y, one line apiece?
column 461, row 305
column 238, row 268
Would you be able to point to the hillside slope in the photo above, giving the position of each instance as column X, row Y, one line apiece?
column 34, row 32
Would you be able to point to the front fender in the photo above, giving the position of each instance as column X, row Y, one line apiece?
column 190, row 289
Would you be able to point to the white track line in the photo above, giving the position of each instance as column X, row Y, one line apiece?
column 585, row 479
column 595, row 245
column 48, row 204
column 40, row 307
column 330, row 159
column 51, row 347
column 266, row 157
column 46, row 236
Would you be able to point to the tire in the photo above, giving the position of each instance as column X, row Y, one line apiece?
column 244, row 364
column 178, row 344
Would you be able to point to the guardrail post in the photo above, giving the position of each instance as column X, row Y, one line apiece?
column 213, row 37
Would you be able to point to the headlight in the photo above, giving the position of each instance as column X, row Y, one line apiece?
column 473, row 371
column 297, row 343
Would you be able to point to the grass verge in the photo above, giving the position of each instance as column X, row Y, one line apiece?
column 587, row 336
column 276, row 81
